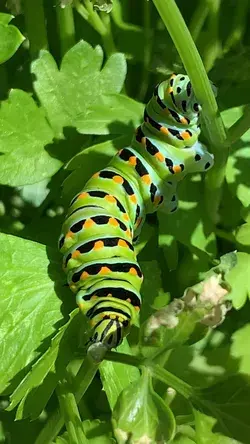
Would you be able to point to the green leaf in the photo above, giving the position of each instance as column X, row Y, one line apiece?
column 189, row 225
column 10, row 38
column 24, row 133
column 34, row 398
column 237, row 173
column 238, row 278
column 29, row 305
column 140, row 415
column 228, row 402
column 115, row 376
column 114, row 114
column 243, row 234
column 98, row 432
column 69, row 93
column 240, row 349
column 204, row 434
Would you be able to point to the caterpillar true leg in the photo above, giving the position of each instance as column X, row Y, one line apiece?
column 105, row 217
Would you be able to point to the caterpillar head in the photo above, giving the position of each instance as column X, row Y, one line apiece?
column 179, row 89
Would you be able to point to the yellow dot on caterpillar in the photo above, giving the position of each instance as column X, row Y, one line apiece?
column 164, row 130
column 185, row 135
column 83, row 195
column 72, row 287
column 177, row 169
column 92, row 323
column 159, row 156
column 170, row 90
column 118, row 179
column 132, row 160
column 95, row 175
column 81, row 305
column 75, row 254
column 69, row 235
column 184, row 121
column 93, row 298
column 84, row 275
column 112, row 316
column 120, row 319
column 109, row 295
column 137, row 308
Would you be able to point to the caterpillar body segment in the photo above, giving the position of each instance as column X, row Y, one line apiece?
column 106, row 217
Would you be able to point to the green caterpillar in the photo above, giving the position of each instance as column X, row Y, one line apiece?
column 106, row 217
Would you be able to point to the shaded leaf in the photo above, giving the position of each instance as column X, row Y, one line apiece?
column 10, row 38
column 24, row 134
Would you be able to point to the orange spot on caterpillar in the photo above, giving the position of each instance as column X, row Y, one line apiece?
column 137, row 308
column 110, row 198
column 133, row 198
column 132, row 160
column 128, row 233
column 143, row 140
column 159, row 156
column 128, row 300
column 93, row 298
column 185, row 135
column 104, row 270
column 183, row 121
column 113, row 221
column 164, row 130
column 109, row 295
column 133, row 271
column 88, row 223
column 118, row 179
column 75, row 254
column 83, row 195
column 95, row 175
column 98, row 245
column 69, row 235
column 177, row 169
column 84, row 275
column 122, row 243
column 146, row 179
column 157, row 199
column 170, row 90
column 125, row 217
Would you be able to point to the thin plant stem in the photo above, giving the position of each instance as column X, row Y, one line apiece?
column 69, row 409
column 66, row 27
column 188, row 52
column 35, row 26
column 148, row 44
column 81, row 9
column 198, row 19
column 81, row 382
column 107, row 38
column 239, row 127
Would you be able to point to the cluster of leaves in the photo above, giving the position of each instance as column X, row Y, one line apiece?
column 58, row 126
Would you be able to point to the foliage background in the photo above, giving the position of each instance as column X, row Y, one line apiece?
column 72, row 86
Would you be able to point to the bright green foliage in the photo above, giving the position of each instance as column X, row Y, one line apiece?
column 141, row 415
column 81, row 72
column 204, row 431
column 10, row 38
column 238, row 278
column 24, row 133
column 29, row 305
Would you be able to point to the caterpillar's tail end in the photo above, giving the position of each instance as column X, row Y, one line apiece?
column 107, row 334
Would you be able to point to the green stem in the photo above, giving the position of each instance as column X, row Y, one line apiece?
column 173, row 381
column 71, row 414
column 182, row 39
column 148, row 44
column 66, row 27
column 198, row 19
column 81, row 10
column 240, row 127
column 55, row 422
column 107, row 38
column 35, row 26
column 123, row 358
